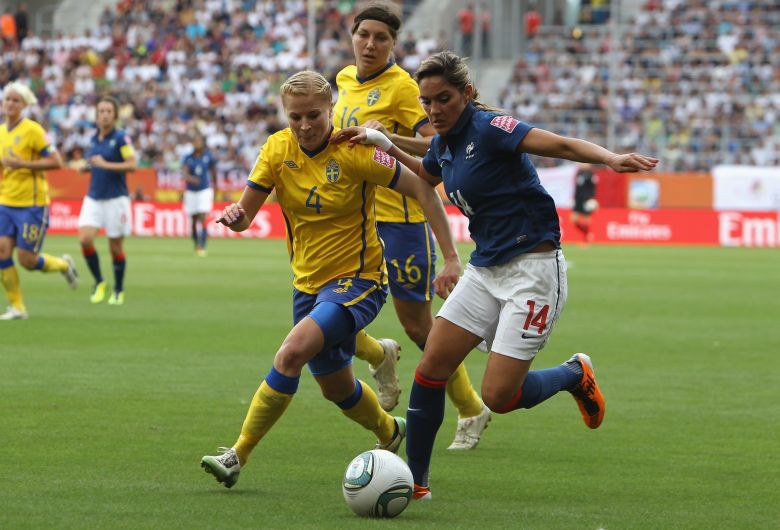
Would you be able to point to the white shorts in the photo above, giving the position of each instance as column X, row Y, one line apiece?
column 513, row 306
column 196, row 202
column 115, row 215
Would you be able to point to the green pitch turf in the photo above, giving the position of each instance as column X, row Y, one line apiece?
column 106, row 411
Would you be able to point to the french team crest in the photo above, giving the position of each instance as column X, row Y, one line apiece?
column 373, row 97
column 332, row 170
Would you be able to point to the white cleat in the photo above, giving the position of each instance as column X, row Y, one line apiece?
column 387, row 389
column 71, row 275
column 224, row 467
column 469, row 430
column 11, row 313
column 398, row 436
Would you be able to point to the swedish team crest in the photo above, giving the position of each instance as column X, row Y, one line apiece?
column 332, row 170
column 373, row 96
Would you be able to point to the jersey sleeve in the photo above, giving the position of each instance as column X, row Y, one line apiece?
column 408, row 110
column 375, row 165
column 262, row 175
column 504, row 133
column 430, row 162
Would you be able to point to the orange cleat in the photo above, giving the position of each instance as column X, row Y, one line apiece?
column 421, row 493
column 587, row 393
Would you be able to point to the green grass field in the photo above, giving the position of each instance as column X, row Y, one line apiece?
column 106, row 411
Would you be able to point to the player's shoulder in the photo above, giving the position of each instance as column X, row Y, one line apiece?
column 347, row 74
column 31, row 126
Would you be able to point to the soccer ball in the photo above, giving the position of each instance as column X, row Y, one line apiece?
column 591, row 205
column 377, row 483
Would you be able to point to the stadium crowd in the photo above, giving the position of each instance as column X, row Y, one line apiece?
column 214, row 66
column 697, row 83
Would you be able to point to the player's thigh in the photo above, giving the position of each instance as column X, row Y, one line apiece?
column 535, row 289
column 447, row 346
column 118, row 217
column 472, row 305
column 302, row 343
column 410, row 254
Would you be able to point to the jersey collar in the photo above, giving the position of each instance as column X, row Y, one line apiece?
column 362, row 80
column 320, row 149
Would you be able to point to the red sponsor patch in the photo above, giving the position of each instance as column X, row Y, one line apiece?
column 380, row 157
column 505, row 123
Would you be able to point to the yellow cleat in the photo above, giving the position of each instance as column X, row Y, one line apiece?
column 98, row 292
column 117, row 298
column 201, row 252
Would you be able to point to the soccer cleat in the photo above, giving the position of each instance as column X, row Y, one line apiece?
column 587, row 393
column 98, row 292
column 422, row 493
column 116, row 298
column 387, row 390
column 224, row 467
column 469, row 430
column 398, row 436
column 71, row 274
column 11, row 313
column 201, row 252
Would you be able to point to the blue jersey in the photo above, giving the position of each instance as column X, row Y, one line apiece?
column 497, row 188
column 201, row 167
column 106, row 183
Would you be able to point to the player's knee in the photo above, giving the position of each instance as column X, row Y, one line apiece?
column 498, row 399
column 290, row 358
column 28, row 261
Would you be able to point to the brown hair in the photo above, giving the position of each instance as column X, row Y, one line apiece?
column 382, row 12
column 454, row 71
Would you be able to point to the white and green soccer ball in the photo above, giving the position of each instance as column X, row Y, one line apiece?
column 377, row 483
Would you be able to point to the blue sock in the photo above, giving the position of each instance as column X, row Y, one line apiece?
column 119, row 272
column 540, row 385
column 195, row 232
column 204, row 233
column 352, row 400
column 93, row 262
column 423, row 419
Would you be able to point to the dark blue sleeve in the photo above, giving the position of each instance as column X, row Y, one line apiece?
column 504, row 133
column 430, row 162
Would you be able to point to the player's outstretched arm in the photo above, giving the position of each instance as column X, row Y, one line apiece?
column 239, row 215
column 414, row 186
column 544, row 143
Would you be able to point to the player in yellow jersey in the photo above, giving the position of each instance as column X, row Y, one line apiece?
column 24, row 198
column 376, row 92
column 326, row 193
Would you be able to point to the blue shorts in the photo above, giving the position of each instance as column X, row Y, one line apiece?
column 27, row 225
column 362, row 299
column 410, row 254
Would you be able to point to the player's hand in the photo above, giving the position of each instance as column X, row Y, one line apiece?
column 97, row 161
column 448, row 276
column 377, row 125
column 232, row 214
column 631, row 163
column 354, row 134
column 12, row 161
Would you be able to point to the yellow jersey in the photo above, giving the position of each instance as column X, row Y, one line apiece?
column 390, row 97
column 24, row 187
column 327, row 199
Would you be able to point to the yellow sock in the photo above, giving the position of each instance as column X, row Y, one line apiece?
column 368, row 349
column 370, row 415
column 462, row 394
column 52, row 264
column 12, row 287
column 266, row 407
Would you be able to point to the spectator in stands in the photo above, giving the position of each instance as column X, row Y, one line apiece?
column 466, row 28
column 22, row 23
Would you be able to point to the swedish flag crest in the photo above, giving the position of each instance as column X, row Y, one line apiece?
column 373, row 96
column 332, row 170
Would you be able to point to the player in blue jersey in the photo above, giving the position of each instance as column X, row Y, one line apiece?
column 514, row 287
column 326, row 193
column 107, row 204
column 376, row 92
column 198, row 169
column 25, row 153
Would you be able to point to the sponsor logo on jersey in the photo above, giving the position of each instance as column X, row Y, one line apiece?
column 291, row 164
column 505, row 123
column 380, row 157
column 373, row 97
column 332, row 170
